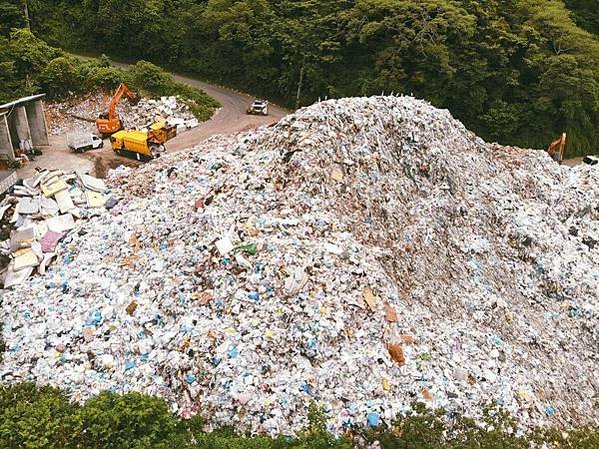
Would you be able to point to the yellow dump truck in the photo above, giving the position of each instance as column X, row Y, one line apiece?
column 143, row 145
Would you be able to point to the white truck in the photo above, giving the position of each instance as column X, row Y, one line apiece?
column 80, row 142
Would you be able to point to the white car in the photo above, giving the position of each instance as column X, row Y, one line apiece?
column 258, row 107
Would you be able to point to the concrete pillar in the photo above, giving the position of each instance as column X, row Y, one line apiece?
column 37, row 123
column 6, row 147
column 12, row 127
column 21, row 123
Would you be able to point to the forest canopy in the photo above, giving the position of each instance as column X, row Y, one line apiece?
column 514, row 71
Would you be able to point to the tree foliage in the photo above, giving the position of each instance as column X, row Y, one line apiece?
column 35, row 417
column 585, row 13
column 29, row 65
column 514, row 71
column 131, row 421
column 11, row 12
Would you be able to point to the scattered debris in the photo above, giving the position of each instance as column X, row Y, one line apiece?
column 249, row 258
column 45, row 208
column 79, row 113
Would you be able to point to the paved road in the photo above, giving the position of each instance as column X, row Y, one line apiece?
column 230, row 118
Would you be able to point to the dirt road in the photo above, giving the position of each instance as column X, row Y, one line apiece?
column 230, row 118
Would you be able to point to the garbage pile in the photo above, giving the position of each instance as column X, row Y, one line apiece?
column 171, row 109
column 45, row 209
column 79, row 113
column 363, row 253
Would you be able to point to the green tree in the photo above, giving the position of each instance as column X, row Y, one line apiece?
column 244, row 30
column 412, row 43
column 585, row 13
column 60, row 76
column 30, row 54
column 11, row 12
column 515, row 71
column 310, row 37
column 316, row 435
column 9, row 80
column 36, row 418
column 131, row 421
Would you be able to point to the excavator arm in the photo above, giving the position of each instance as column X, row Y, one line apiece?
column 556, row 149
column 109, row 123
column 122, row 90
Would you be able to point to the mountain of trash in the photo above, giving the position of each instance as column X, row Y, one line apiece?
column 363, row 253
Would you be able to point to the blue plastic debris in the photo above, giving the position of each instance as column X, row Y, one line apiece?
column 549, row 410
column 129, row 364
column 306, row 389
column 233, row 352
column 574, row 312
column 374, row 419
column 496, row 340
column 254, row 297
column 475, row 264
column 190, row 378
column 96, row 318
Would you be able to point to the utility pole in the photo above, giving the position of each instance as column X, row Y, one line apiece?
column 299, row 84
column 27, row 15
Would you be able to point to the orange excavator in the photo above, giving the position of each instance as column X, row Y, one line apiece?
column 556, row 149
column 109, row 122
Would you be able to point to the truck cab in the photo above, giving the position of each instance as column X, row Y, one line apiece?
column 97, row 142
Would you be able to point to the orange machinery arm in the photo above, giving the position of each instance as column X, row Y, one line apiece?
column 557, row 148
column 122, row 90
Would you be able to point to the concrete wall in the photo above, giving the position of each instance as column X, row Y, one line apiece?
column 6, row 147
column 37, row 123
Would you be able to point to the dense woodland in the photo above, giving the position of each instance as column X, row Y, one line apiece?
column 514, row 71
column 28, row 65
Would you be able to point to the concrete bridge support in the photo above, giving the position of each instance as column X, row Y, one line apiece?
column 6, row 147
column 22, row 120
column 37, row 123
column 21, row 123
